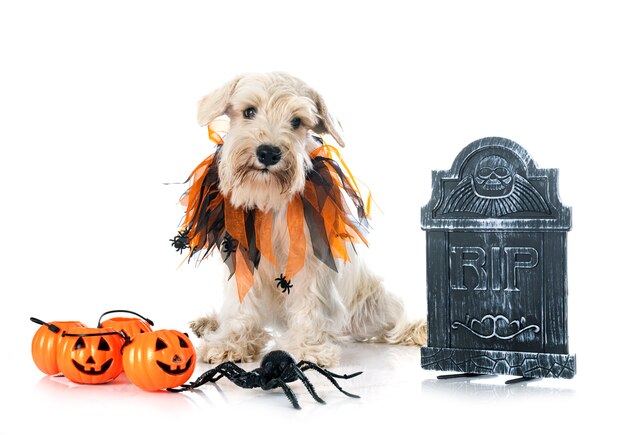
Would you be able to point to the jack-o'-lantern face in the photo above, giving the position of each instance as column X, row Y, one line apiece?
column 159, row 359
column 174, row 358
column 46, row 342
column 91, row 355
column 90, row 365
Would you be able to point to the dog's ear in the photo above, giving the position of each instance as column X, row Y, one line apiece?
column 327, row 123
column 216, row 103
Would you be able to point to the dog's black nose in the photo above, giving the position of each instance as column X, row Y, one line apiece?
column 269, row 155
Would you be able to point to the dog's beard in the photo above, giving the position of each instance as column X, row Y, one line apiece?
column 261, row 178
column 249, row 185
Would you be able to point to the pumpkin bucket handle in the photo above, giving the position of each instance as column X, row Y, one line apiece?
column 50, row 326
column 150, row 322
column 98, row 334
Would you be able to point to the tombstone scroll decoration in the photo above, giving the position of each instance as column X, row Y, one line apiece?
column 496, row 266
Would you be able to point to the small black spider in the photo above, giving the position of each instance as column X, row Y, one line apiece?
column 228, row 245
column 283, row 283
column 277, row 369
column 181, row 241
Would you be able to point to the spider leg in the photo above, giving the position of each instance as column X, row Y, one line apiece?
column 305, row 365
column 227, row 369
column 307, row 384
column 202, row 379
column 288, row 392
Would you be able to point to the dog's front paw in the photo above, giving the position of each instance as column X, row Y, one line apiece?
column 213, row 352
column 205, row 325
column 242, row 345
column 325, row 354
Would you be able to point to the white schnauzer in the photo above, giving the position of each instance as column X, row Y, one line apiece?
column 298, row 284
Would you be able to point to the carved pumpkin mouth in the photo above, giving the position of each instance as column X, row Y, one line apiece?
column 91, row 370
column 175, row 371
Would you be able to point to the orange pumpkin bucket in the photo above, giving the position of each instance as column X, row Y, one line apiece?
column 159, row 359
column 130, row 326
column 46, row 342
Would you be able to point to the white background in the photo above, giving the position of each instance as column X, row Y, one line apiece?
column 97, row 111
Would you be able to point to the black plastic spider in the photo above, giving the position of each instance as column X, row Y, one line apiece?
column 228, row 245
column 277, row 369
column 181, row 241
column 284, row 284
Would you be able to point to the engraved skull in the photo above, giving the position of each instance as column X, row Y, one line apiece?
column 494, row 177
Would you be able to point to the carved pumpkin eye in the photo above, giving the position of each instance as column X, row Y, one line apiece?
column 160, row 344
column 103, row 345
column 80, row 344
column 182, row 342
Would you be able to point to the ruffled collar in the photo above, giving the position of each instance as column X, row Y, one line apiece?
column 330, row 207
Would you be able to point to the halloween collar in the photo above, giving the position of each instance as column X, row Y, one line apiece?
column 244, row 236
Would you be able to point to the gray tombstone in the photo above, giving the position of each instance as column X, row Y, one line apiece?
column 496, row 266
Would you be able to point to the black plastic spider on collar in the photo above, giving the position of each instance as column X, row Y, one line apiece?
column 228, row 246
column 284, row 283
column 181, row 241
column 277, row 369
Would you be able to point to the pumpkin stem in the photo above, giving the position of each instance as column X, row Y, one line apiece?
column 150, row 322
column 50, row 326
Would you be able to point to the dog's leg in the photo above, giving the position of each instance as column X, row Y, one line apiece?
column 237, row 335
column 374, row 314
column 204, row 325
column 313, row 312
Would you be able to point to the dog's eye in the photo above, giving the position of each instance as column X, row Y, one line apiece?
column 296, row 122
column 249, row 113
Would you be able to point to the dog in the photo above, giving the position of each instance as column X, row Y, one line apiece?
column 275, row 124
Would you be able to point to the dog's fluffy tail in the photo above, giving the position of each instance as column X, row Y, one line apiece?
column 204, row 325
column 408, row 333
column 377, row 315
